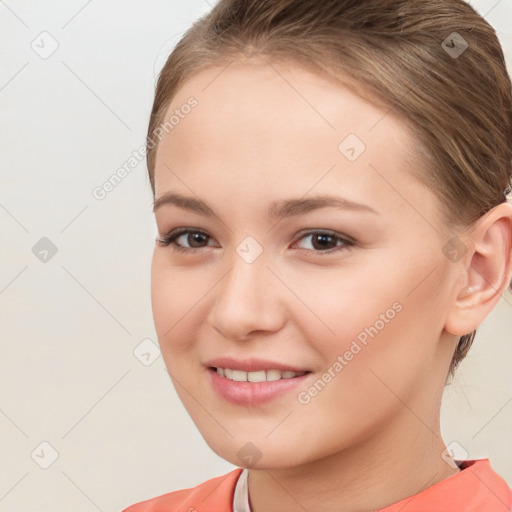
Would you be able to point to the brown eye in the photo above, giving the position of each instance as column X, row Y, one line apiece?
column 185, row 240
column 194, row 239
column 321, row 241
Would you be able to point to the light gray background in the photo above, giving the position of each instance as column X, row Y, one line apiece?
column 69, row 326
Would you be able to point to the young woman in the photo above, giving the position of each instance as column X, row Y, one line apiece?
column 330, row 185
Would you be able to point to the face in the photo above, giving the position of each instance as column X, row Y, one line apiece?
column 305, row 244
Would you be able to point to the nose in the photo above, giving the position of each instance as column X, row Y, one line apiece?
column 249, row 301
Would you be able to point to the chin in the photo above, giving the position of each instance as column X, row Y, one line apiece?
column 258, row 454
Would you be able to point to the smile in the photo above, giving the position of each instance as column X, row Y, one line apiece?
column 250, row 388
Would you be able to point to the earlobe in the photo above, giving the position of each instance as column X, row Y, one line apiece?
column 486, row 268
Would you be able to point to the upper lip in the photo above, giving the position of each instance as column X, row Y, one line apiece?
column 251, row 365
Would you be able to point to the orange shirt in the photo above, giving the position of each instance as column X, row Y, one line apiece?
column 477, row 488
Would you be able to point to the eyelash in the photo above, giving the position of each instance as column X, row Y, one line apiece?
column 170, row 238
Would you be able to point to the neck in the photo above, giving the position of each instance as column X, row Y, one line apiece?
column 384, row 468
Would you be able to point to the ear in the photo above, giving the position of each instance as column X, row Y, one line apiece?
column 486, row 270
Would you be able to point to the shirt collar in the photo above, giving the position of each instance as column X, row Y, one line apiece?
column 241, row 496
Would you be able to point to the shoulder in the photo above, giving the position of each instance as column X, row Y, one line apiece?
column 477, row 488
column 215, row 495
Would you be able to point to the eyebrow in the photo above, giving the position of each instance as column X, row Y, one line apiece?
column 278, row 209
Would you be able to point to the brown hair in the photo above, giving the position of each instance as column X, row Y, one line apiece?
column 409, row 55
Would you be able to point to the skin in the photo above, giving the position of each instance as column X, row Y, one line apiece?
column 261, row 133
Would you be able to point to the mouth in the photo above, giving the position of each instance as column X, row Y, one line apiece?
column 269, row 375
column 257, row 387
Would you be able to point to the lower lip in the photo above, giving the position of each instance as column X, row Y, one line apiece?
column 252, row 393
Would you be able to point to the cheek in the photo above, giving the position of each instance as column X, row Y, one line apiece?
column 171, row 298
column 374, row 324
column 335, row 307
column 179, row 299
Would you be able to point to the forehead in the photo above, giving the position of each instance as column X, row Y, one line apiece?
column 284, row 126
column 262, row 94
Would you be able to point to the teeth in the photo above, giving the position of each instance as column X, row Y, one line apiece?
column 239, row 376
column 273, row 374
column 259, row 376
